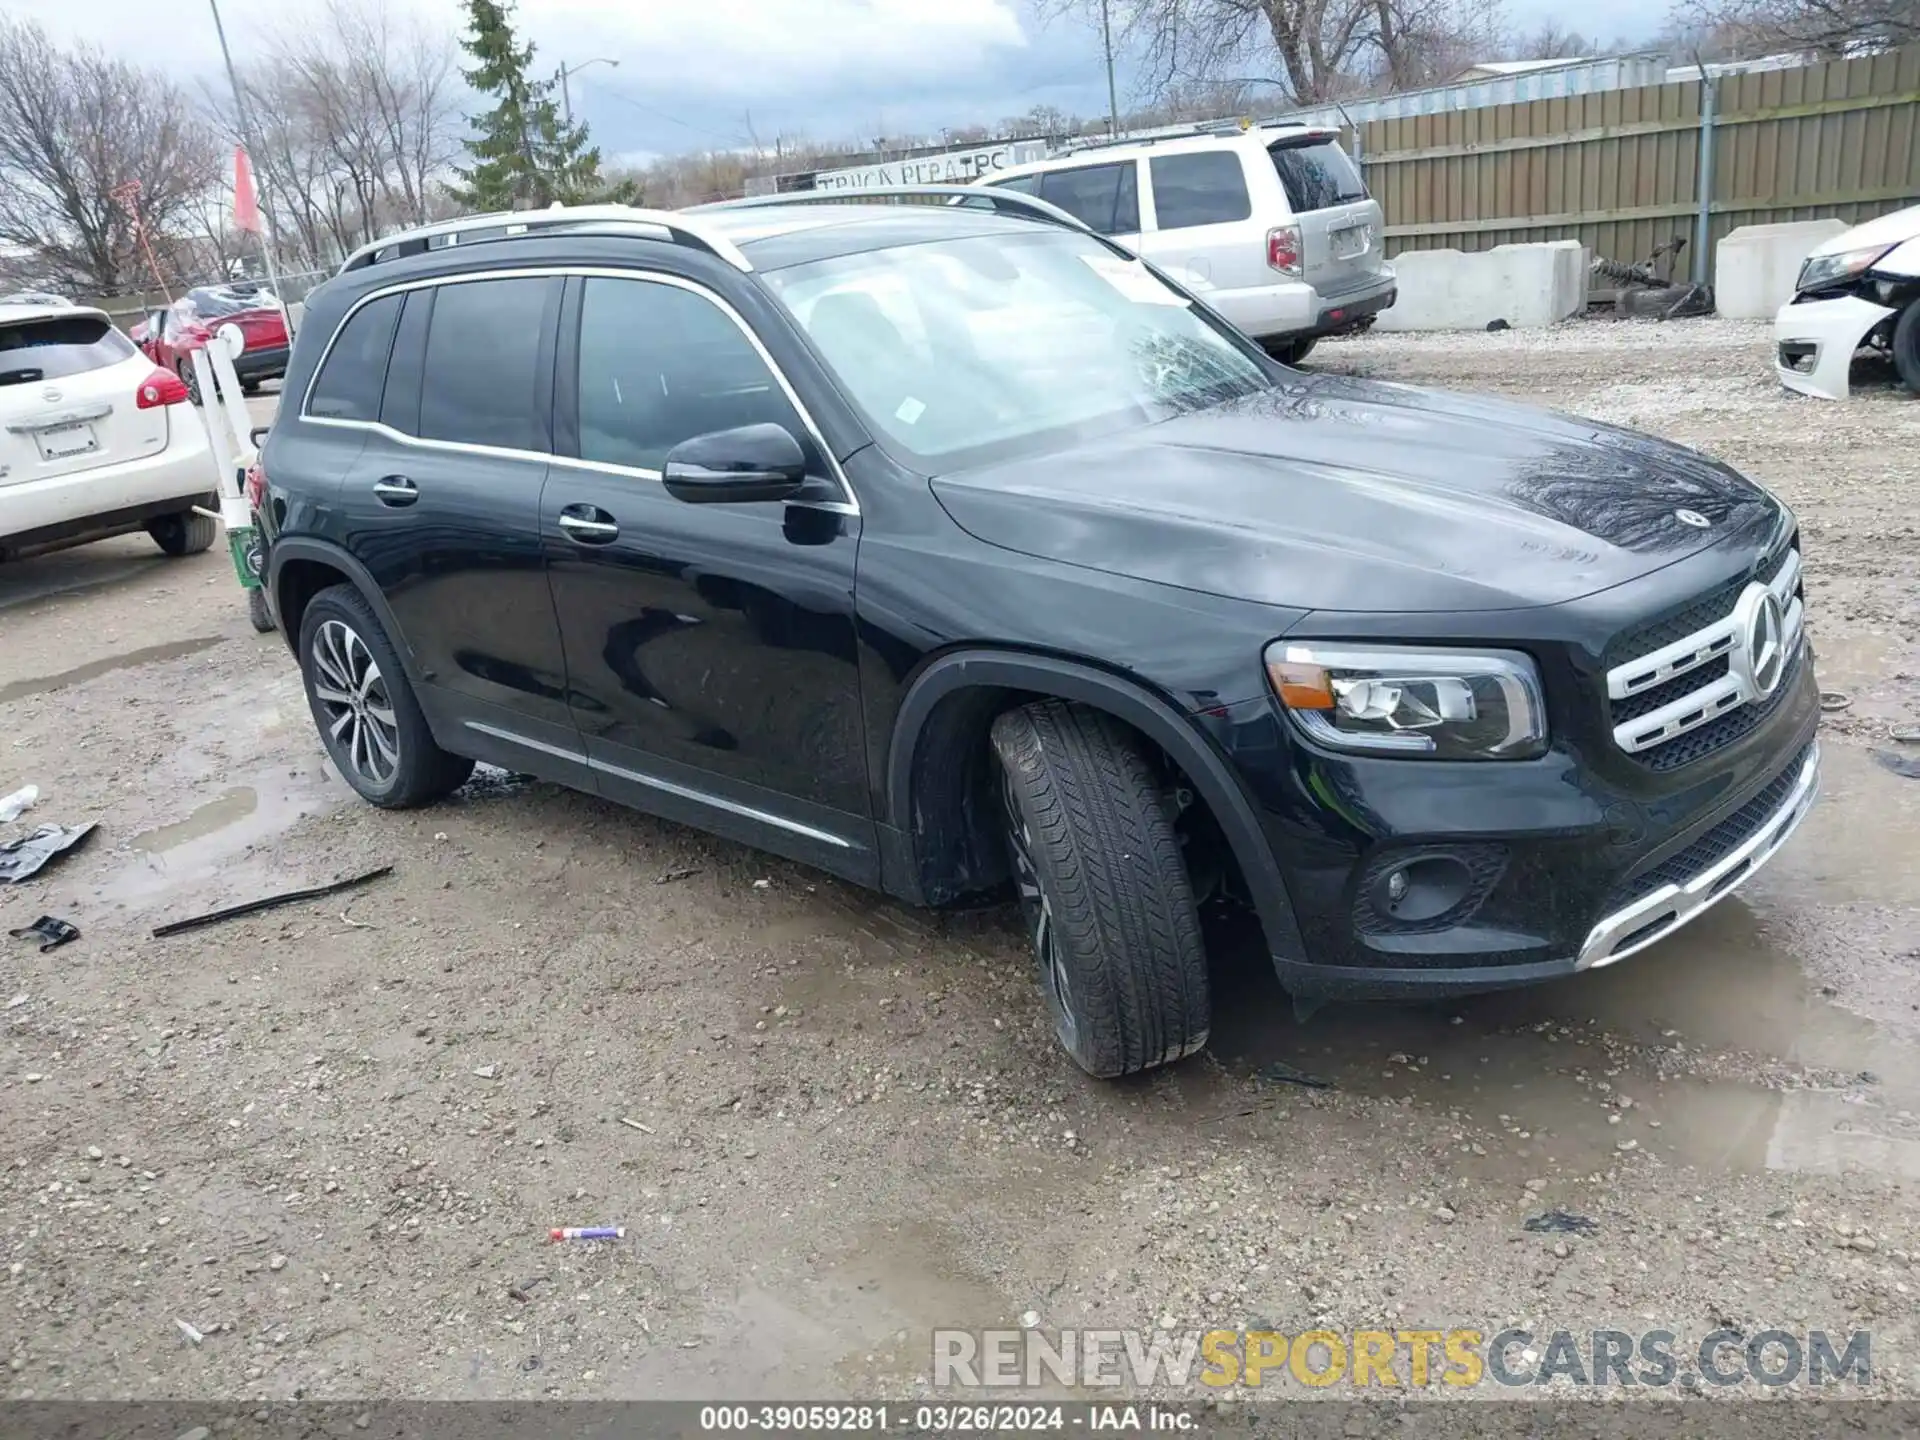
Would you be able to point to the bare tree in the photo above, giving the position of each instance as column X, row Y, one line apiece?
column 1318, row 49
column 74, row 127
column 1827, row 28
column 1554, row 41
column 358, row 115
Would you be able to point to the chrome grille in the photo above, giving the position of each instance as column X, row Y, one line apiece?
column 1697, row 668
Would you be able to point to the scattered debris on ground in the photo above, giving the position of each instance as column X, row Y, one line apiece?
column 270, row 902
column 24, row 858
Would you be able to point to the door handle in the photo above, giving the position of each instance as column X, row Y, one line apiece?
column 588, row 525
column 395, row 490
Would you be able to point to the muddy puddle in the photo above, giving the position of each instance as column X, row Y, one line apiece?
column 215, row 839
column 107, row 665
column 1726, row 1047
column 221, row 837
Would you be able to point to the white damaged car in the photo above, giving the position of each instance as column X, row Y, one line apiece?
column 1859, row 288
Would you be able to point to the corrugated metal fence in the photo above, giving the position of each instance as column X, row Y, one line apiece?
column 1619, row 170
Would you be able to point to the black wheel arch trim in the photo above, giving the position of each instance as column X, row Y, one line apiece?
column 1129, row 701
column 287, row 549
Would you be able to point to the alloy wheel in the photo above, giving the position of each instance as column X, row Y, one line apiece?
column 361, row 726
column 1038, row 912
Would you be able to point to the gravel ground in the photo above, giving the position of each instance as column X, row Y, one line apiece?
column 331, row 1140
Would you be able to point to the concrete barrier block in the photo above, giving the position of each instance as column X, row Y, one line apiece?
column 1755, row 267
column 1527, row 286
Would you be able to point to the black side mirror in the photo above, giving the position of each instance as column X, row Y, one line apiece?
column 753, row 462
column 258, row 435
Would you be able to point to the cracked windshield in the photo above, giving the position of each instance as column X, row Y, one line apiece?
column 995, row 345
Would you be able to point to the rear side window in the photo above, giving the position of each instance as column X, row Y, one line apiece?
column 659, row 365
column 482, row 377
column 59, row 346
column 348, row 387
column 1025, row 184
column 1205, row 188
column 1105, row 198
column 1317, row 175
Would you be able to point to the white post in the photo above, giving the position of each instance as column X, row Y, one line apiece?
column 219, row 432
column 227, row 343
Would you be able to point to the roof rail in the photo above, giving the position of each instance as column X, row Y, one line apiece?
column 1208, row 127
column 993, row 196
column 514, row 224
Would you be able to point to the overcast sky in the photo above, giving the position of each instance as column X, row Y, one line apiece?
column 693, row 71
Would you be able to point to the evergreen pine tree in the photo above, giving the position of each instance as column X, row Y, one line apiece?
column 524, row 156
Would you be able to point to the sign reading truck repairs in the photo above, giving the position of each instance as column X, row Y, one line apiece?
column 955, row 167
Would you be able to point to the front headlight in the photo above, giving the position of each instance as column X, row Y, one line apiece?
column 1817, row 271
column 1399, row 700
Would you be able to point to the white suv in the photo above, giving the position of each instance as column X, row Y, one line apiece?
column 95, row 440
column 1272, row 224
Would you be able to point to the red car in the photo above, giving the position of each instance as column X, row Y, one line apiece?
column 169, row 336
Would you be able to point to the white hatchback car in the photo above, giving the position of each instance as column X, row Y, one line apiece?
column 1272, row 225
column 95, row 440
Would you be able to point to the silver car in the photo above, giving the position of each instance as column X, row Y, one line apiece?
column 1271, row 224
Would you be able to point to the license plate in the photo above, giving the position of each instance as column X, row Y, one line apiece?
column 1352, row 241
column 62, row 442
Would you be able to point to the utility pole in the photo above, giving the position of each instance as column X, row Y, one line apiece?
column 1113, row 96
column 566, row 96
column 248, row 138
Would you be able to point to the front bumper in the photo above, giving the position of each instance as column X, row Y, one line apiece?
column 1814, row 342
column 1575, row 860
column 1635, row 926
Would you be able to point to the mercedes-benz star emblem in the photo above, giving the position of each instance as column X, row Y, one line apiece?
column 1693, row 518
column 1760, row 654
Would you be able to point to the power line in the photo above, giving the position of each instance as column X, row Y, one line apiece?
column 661, row 114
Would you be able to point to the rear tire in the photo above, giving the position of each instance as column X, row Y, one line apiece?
column 1906, row 346
column 184, row 533
column 1292, row 352
column 249, row 387
column 1108, row 904
column 190, row 379
column 365, row 709
column 258, row 612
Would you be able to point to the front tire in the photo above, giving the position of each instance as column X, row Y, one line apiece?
column 186, row 533
column 190, row 379
column 257, row 611
column 1108, row 904
column 1906, row 346
column 365, row 709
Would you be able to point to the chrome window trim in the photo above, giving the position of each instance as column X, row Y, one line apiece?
column 654, row 782
column 850, row 505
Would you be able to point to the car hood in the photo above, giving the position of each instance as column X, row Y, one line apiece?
column 1889, row 229
column 1329, row 493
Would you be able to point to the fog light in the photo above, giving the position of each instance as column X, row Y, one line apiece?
column 1424, row 889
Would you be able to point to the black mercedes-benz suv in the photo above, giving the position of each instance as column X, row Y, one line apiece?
column 946, row 544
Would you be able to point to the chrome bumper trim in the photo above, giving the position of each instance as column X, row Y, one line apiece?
column 1658, row 915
